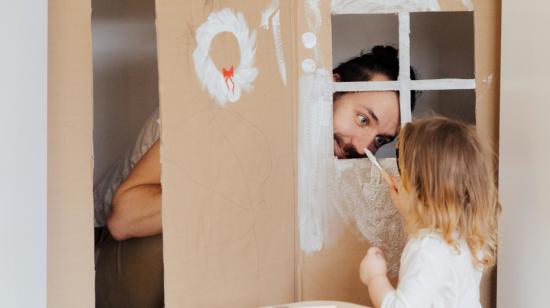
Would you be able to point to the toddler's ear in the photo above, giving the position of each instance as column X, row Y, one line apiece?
column 394, row 193
column 395, row 183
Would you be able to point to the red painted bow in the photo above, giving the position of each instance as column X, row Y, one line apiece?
column 228, row 76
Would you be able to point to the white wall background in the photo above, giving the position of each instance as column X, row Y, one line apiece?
column 442, row 46
column 524, row 239
column 23, row 155
column 125, row 75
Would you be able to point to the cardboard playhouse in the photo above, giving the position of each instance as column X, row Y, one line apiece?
column 253, row 209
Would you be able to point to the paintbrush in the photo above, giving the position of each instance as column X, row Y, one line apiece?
column 384, row 173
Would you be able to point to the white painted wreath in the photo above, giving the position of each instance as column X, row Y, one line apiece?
column 228, row 84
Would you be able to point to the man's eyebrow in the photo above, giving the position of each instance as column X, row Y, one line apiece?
column 371, row 113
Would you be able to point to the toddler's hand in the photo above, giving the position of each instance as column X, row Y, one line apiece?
column 373, row 264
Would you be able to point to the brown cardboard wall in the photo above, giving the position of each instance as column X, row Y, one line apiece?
column 228, row 172
column 70, row 206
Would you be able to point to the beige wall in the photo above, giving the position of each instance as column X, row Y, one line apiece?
column 524, row 247
column 23, row 158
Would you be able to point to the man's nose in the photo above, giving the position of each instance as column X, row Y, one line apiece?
column 365, row 139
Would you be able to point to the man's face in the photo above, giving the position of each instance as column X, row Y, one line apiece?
column 364, row 120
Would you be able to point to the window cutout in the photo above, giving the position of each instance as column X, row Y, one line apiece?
column 455, row 104
column 387, row 151
column 126, row 135
column 352, row 36
column 442, row 44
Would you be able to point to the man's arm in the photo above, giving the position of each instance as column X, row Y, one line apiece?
column 136, row 205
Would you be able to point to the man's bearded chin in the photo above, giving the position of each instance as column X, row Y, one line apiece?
column 348, row 150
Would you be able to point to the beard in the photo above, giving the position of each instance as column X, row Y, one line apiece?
column 346, row 150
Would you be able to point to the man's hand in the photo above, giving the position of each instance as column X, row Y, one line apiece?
column 373, row 265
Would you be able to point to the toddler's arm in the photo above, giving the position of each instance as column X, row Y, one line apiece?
column 422, row 276
column 373, row 274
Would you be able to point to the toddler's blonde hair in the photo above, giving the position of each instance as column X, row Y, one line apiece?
column 452, row 183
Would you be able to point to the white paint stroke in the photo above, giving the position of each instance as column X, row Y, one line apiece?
column 313, row 21
column 279, row 51
column 315, row 158
column 382, row 6
column 365, row 86
column 404, row 67
column 272, row 12
column 224, row 86
column 309, row 40
column 443, row 84
column 313, row 15
column 484, row 87
column 317, row 212
column 468, row 4
column 267, row 13
column 421, row 85
column 309, row 66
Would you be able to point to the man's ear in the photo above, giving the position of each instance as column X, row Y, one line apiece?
column 336, row 77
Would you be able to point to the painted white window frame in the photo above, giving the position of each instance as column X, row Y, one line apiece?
column 317, row 166
column 404, row 84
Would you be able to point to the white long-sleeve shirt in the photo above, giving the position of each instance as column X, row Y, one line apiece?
column 433, row 275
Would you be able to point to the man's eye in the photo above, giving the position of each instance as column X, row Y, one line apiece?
column 362, row 120
column 380, row 141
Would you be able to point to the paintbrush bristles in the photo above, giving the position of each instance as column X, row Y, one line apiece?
column 384, row 173
column 372, row 159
